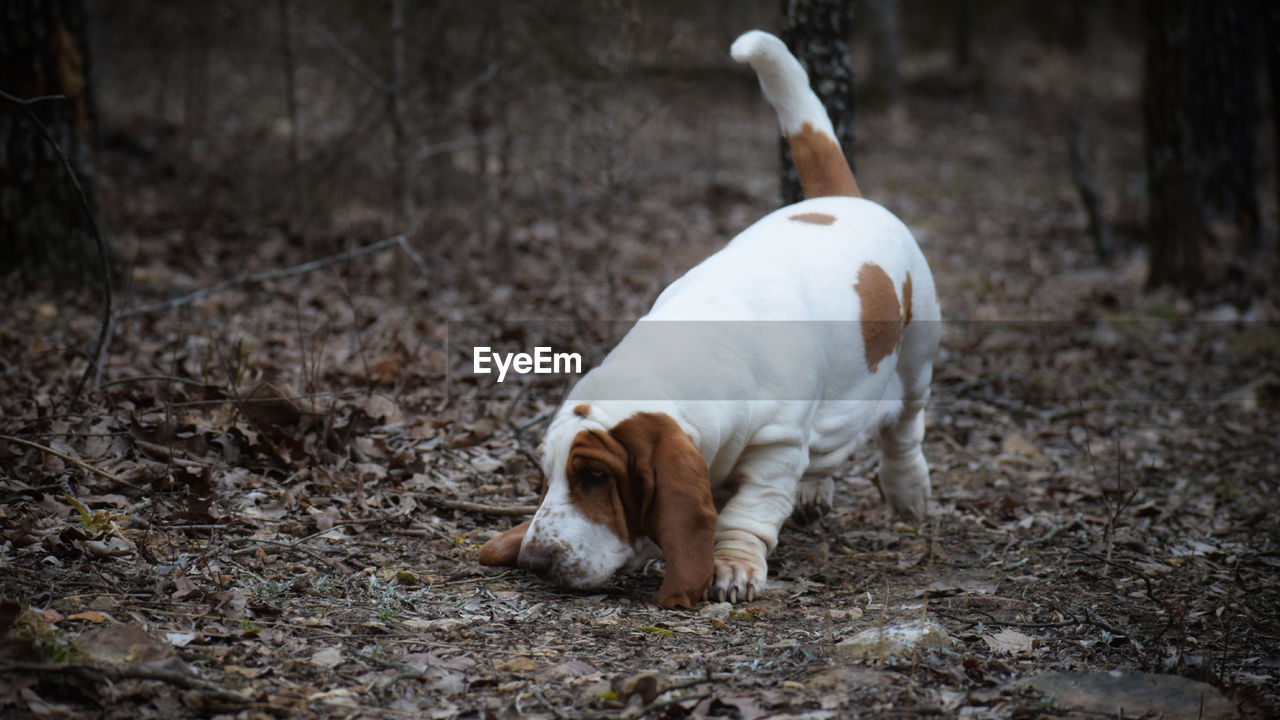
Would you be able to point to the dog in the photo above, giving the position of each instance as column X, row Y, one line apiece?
column 755, row 375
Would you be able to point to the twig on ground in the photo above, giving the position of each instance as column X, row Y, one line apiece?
column 445, row 504
column 349, row 523
column 334, row 564
column 148, row 378
column 74, row 461
column 1151, row 595
column 261, row 277
column 116, row 673
column 95, row 361
column 1077, row 521
column 167, row 454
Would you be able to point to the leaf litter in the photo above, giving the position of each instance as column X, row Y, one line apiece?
column 273, row 504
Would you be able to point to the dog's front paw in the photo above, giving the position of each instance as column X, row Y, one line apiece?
column 814, row 499
column 740, row 568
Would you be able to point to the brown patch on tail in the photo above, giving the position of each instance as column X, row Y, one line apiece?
column 821, row 166
column 881, row 313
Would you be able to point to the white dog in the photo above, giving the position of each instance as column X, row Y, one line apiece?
column 752, row 379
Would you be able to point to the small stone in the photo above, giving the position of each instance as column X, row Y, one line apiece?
column 717, row 611
column 1131, row 694
column 895, row 640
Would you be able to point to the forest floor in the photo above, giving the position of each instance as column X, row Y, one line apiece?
column 272, row 503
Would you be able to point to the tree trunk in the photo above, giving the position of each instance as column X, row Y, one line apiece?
column 1200, row 111
column 886, row 50
column 817, row 32
column 298, row 207
column 43, row 51
column 1271, row 49
column 402, row 186
column 1226, row 117
column 962, row 35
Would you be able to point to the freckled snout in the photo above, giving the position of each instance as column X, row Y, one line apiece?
column 534, row 559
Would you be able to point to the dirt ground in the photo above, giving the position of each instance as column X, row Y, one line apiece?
column 272, row 504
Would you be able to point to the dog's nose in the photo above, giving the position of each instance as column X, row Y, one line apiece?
column 535, row 560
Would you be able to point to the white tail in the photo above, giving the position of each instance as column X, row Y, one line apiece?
column 819, row 162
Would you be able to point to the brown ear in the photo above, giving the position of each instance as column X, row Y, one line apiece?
column 671, row 494
column 504, row 548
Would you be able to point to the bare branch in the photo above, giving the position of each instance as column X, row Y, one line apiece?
column 446, row 504
column 74, row 461
column 352, row 60
column 116, row 673
column 277, row 274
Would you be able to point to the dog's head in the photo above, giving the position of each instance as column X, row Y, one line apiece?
column 610, row 490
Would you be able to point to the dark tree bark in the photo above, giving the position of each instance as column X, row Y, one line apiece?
column 962, row 35
column 43, row 51
column 1200, row 112
column 1271, row 49
column 817, row 33
column 886, row 50
column 1227, row 115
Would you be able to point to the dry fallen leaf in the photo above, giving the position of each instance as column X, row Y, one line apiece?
column 520, row 663
column 1009, row 642
column 92, row 616
column 329, row 657
column 116, row 643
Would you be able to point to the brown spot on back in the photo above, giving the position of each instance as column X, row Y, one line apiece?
column 814, row 218
column 881, row 314
column 906, row 301
column 584, row 409
column 821, row 166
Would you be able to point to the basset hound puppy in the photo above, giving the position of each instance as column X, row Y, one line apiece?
column 754, row 377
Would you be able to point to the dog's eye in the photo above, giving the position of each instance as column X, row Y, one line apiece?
column 594, row 473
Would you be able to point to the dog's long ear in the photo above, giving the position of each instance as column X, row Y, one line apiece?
column 670, row 495
column 504, row 548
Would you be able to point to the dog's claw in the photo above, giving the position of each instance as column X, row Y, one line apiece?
column 814, row 498
column 738, row 580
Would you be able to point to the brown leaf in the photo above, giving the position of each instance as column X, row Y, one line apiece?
column 185, row 588
column 272, row 405
column 114, row 643
column 520, row 663
column 92, row 616
column 1015, row 444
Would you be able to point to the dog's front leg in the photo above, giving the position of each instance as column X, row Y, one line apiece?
column 748, row 524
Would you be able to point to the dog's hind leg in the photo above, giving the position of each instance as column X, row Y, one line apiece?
column 904, row 472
